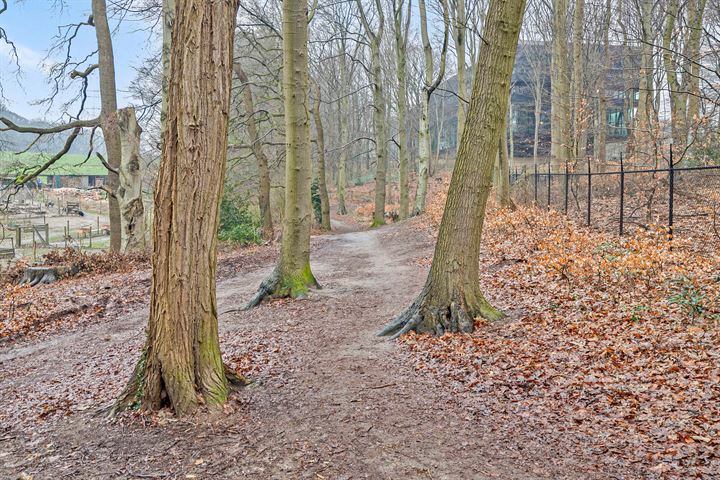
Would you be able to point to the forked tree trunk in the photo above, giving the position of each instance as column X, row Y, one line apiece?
column 321, row 180
column 108, row 117
column 292, row 277
column 452, row 298
column 262, row 160
column 129, row 195
column 181, row 362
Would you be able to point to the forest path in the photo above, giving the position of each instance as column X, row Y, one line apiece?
column 334, row 402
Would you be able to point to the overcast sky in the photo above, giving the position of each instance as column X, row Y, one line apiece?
column 32, row 25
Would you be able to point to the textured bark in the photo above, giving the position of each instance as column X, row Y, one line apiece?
column 266, row 222
column 321, row 176
column 431, row 83
column 561, row 148
column 292, row 276
column 129, row 192
column 401, row 35
column 108, row 117
column 181, row 364
column 452, row 297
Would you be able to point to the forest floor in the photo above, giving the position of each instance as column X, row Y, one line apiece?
column 330, row 400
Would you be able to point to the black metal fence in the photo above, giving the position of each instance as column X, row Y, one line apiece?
column 579, row 191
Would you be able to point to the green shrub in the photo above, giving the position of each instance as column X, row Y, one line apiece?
column 237, row 223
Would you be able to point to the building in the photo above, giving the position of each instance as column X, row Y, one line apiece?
column 70, row 171
column 532, row 70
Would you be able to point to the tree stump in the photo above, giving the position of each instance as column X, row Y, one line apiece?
column 44, row 274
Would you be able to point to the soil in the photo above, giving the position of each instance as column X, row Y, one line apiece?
column 330, row 400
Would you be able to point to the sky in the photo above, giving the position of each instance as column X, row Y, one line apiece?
column 32, row 25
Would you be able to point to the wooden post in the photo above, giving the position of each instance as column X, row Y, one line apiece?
column 90, row 236
column 536, row 183
column 18, row 236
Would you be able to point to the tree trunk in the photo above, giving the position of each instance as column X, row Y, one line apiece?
column 600, row 145
column 460, row 22
column 129, row 193
column 452, row 298
column 108, row 117
column 401, row 35
column 560, row 112
column 538, row 116
column 428, row 89
column 380, row 135
column 344, row 132
column 181, row 360
column 502, row 170
column 579, row 115
column 168, row 13
column 321, row 180
column 293, row 277
column 645, row 112
column 423, row 154
column 262, row 160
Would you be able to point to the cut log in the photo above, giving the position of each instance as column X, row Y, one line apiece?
column 44, row 274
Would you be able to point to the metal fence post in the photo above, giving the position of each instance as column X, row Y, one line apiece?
column 567, row 186
column 622, row 194
column 549, row 183
column 671, row 181
column 536, row 183
column 589, row 195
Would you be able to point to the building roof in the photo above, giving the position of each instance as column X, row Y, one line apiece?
column 12, row 164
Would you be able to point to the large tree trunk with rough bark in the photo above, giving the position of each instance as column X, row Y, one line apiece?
column 266, row 223
column 181, row 364
column 321, row 176
column 108, row 117
column 451, row 298
column 292, row 276
column 129, row 192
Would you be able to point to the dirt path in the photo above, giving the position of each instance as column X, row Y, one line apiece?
column 331, row 400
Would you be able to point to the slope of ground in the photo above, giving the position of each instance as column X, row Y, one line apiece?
column 330, row 399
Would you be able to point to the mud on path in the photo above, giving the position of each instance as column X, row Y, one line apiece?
column 330, row 400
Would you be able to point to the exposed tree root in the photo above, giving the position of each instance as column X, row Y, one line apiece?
column 428, row 314
column 134, row 396
column 279, row 285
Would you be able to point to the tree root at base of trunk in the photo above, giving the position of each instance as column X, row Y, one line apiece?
column 132, row 397
column 428, row 315
column 278, row 285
